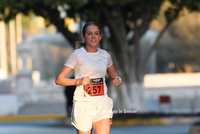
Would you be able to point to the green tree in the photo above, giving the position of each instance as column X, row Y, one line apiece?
column 119, row 18
column 183, row 51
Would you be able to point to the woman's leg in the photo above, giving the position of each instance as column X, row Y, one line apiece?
column 81, row 132
column 102, row 126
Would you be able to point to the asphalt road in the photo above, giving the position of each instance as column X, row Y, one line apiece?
column 49, row 127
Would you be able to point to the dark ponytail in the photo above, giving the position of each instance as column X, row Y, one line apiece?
column 79, row 44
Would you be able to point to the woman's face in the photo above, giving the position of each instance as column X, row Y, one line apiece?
column 92, row 36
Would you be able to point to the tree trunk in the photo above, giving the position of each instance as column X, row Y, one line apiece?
column 129, row 95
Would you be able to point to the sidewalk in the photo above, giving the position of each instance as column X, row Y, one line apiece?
column 55, row 110
column 48, row 127
column 118, row 120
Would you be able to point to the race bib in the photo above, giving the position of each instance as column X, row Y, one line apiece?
column 95, row 87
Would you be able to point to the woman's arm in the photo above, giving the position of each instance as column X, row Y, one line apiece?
column 116, row 80
column 61, row 80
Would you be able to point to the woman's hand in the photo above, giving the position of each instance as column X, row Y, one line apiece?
column 84, row 80
column 116, row 80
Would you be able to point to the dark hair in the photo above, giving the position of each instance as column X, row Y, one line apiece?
column 88, row 24
column 79, row 44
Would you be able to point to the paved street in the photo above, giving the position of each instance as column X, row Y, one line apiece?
column 49, row 127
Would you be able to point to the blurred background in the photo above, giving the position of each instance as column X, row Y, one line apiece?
column 154, row 44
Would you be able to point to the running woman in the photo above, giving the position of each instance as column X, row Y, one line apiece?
column 92, row 108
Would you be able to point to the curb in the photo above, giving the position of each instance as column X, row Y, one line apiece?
column 156, row 121
column 194, row 130
column 62, row 119
column 31, row 117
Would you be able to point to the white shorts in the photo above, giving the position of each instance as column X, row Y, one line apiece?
column 85, row 113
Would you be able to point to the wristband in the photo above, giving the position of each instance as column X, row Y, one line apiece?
column 120, row 80
column 76, row 82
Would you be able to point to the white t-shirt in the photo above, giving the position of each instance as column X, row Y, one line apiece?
column 89, row 64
